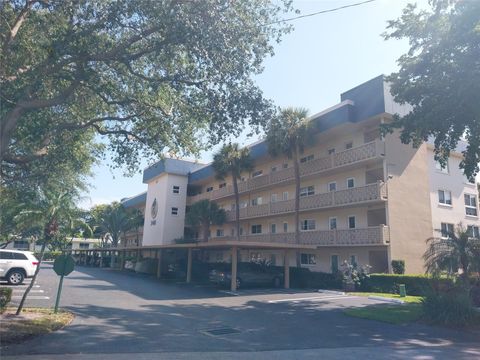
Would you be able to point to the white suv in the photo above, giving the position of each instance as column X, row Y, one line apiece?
column 17, row 265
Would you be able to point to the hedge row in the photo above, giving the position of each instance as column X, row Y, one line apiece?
column 417, row 285
column 304, row 278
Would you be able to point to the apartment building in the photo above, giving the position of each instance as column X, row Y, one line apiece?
column 364, row 198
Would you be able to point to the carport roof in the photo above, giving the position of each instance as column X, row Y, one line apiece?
column 214, row 244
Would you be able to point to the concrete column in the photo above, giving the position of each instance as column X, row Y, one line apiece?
column 101, row 258
column 286, row 265
column 159, row 263
column 189, row 265
column 233, row 280
column 122, row 259
column 138, row 255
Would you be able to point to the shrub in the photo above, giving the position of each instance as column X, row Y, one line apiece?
column 49, row 255
column 449, row 308
column 418, row 285
column 398, row 267
column 304, row 278
column 5, row 297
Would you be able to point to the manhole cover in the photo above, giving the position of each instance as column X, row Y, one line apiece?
column 221, row 331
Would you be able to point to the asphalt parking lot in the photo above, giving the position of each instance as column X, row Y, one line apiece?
column 124, row 315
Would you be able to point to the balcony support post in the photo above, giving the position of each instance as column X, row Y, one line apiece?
column 189, row 265
column 286, row 266
column 233, row 280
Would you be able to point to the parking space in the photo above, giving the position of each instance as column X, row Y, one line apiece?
column 38, row 296
column 122, row 312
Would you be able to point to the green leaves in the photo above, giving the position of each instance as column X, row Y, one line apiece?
column 231, row 159
column 440, row 78
column 147, row 76
column 288, row 132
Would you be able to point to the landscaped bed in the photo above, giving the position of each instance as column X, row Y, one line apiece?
column 32, row 322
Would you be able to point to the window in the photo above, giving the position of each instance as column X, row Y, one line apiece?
column 210, row 188
column 273, row 259
column 273, row 169
column 307, row 191
column 21, row 244
column 332, row 222
column 334, row 263
column 285, row 227
column 19, row 256
column 474, row 231
column 6, row 255
column 232, row 206
column 306, row 158
column 273, row 228
column 349, row 145
column 350, row 183
column 351, row 222
column 331, row 151
column 308, row 224
column 176, row 189
column 257, row 173
column 256, row 229
column 220, row 232
column 232, row 232
column 307, row 259
column 285, row 165
column 243, row 204
column 332, row 186
column 273, row 198
column 241, row 231
column 83, row 245
column 446, row 229
column 257, row 201
column 285, row 195
column 444, row 197
column 353, row 260
column 222, row 185
column 174, row 211
column 441, row 168
column 470, row 205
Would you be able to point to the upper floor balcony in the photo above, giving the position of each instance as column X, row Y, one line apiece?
column 355, row 196
column 373, row 235
column 354, row 156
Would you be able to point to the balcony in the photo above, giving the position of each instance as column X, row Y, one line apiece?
column 375, row 235
column 369, row 151
column 359, row 195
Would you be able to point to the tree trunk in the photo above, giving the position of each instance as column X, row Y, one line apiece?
column 205, row 229
column 296, row 167
column 237, row 205
column 37, row 270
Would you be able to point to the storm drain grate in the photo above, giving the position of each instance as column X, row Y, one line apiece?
column 221, row 331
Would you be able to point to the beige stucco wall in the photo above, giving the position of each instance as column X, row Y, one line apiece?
column 165, row 227
column 455, row 182
column 408, row 211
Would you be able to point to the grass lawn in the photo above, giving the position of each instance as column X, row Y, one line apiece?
column 408, row 299
column 409, row 312
column 32, row 322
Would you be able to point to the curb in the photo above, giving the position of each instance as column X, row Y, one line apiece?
column 390, row 300
column 333, row 292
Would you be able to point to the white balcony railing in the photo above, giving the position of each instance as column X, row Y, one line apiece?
column 362, row 194
column 374, row 235
column 367, row 151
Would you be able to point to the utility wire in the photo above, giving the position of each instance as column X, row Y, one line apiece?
column 319, row 12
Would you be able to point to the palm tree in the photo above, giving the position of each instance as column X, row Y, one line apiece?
column 49, row 211
column 455, row 250
column 288, row 134
column 204, row 213
column 233, row 160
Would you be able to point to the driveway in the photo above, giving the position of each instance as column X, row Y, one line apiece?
column 130, row 316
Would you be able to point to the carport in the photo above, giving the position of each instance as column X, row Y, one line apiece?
column 227, row 245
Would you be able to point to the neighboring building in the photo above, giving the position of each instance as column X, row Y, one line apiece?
column 77, row 243
column 365, row 198
column 134, row 237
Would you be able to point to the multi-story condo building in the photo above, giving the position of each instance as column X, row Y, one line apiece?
column 364, row 198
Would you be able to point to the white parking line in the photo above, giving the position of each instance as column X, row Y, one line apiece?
column 33, row 297
column 32, row 291
column 312, row 298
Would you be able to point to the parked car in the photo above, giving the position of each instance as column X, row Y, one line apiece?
column 16, row 265
column 249, row 274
